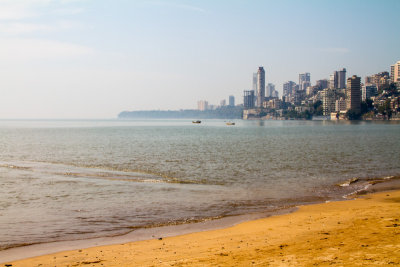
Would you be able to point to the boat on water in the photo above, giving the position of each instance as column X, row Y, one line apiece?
column 197, row 122
column 230, row 123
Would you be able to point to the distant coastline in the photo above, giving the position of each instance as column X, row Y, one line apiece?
column 226, row 112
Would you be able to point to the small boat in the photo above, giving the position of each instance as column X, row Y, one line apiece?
column 196, row 121
column 230, row 123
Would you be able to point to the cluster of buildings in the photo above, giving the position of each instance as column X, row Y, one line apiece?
column 333, row 98
column 261, row 96
column 203, row 105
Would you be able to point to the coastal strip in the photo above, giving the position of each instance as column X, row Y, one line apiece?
column 364, row 231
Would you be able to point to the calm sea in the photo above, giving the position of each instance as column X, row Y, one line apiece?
column 65, row 180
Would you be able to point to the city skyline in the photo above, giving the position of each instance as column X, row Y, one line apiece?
column 94, row 59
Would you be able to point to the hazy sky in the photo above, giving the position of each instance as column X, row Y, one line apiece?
column 96, row 58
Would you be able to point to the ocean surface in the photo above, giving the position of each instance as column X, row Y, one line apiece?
column 67, row 180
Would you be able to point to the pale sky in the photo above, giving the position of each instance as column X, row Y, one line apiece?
column 96, row 58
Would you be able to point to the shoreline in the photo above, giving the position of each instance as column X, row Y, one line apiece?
column 172, row 231
column 140, row 234
column 346, row 189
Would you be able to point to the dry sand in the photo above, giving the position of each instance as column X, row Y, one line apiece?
column 365, row 231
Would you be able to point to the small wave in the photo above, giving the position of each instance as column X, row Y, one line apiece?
column 372, row 181
column 366, row 184
column 15, row 167
column 378, row 180
column 356, row 192
column 349, row 182
column 98, row 172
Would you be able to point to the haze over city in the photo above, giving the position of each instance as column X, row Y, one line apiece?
column 94, row 59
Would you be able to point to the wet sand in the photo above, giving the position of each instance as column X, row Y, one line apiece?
column 365, row 231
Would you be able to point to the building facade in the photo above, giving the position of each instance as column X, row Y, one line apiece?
column 202, row 105
column 275, row 94
column 353, row 94
column 270, row 90
column 288, row 88
column 254, row 87
column 260, row 93
column 231, row 101
column 340, row 105
column 380, row 79
column 248, row 99
column 304, row 80
column 395, row 72
column 392, row 73
column 341, row 78
column 368, row 91
column 338, row 79
column 322, row 84
column 332, row 81
column 328, row 101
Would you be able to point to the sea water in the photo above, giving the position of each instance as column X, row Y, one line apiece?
column 66, row 180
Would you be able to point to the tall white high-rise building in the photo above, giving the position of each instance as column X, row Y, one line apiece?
column 260, row 93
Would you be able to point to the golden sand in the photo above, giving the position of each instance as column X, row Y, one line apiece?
column 358, row 232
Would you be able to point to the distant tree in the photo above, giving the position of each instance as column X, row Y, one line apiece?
column 317, row 104
column 307, row 115
column 226, row 112
column 263, row 113
column 370, row 104
column 318, row 109
column 390, row 89
column 364, row 107
column 353, row 115
column 385, row 109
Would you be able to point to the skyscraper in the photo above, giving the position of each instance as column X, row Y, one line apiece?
column 231, row 101
column 353, row 94
column 341, row 79
column 338, row 79
column 248, row 99
column 202, row 105
column 304, row 81
column 288, row 88
column 260, row 93
column 270, row 89
column 254, row 82
column 332, row 80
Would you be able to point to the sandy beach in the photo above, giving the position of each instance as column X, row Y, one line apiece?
column 365, row 231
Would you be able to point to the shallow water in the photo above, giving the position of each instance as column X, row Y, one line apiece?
column 64, row 180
